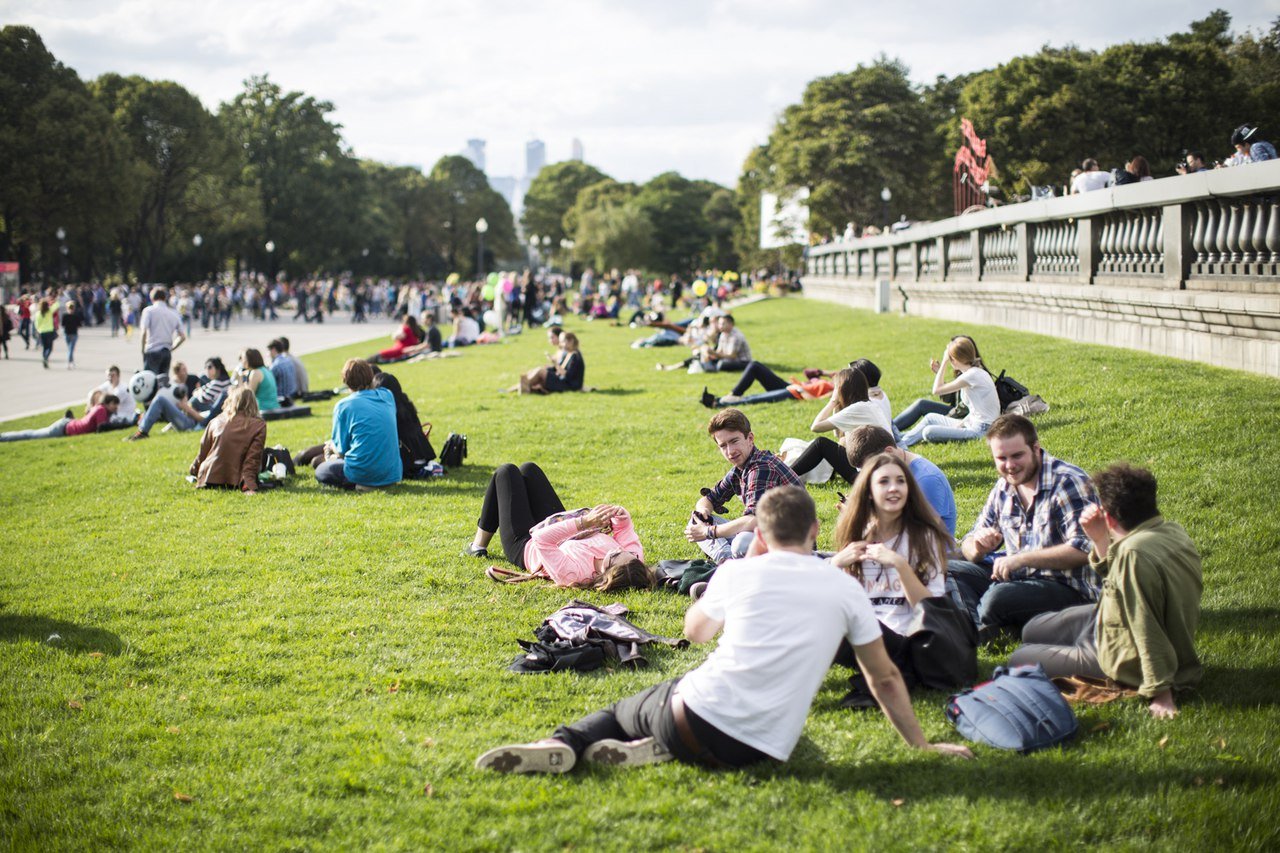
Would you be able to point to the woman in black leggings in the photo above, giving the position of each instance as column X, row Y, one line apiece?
column 516, row 500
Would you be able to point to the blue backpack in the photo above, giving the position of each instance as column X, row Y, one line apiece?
column 1019, row 708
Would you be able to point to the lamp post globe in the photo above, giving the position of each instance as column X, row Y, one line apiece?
column 482, row 225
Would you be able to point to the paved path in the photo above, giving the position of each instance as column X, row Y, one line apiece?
column 26, row 388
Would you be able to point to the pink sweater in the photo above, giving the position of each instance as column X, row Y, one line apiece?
column 572, row 562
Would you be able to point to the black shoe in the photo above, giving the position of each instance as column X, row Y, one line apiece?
column 708, row 399
column 859, row 698
column 473, row 551
column 68, row 414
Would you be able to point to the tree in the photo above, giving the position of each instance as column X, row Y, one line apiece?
column 63, row 164
column 551, row 193
column 468, row 198
column 852, row 134
column 606, row 191
column 309, row 186
column 405, row 220
column 619, row 235
column 174, row 141
column 721, row 215
column 674, row 206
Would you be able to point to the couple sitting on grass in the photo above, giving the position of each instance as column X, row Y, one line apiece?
column 563, row 372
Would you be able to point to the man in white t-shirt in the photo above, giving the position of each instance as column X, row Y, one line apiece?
column 127, row 412
column 161, row 332
column 783, row 613
column 1090, row 178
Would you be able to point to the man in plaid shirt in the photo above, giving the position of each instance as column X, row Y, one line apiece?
column 754, row 472
column 1034, row 510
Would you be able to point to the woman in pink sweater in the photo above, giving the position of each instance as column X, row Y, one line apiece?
column 596, row 548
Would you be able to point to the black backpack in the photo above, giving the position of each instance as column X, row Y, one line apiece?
column 454, row 450
column 1009, row 390
column 272, row 455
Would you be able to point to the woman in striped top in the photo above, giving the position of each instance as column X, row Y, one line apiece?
column 206, row 397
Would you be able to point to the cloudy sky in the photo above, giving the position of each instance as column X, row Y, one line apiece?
column 647, row 86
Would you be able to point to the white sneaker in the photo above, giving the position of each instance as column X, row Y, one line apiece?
column 541, row 757
column 696, row 590
column 696, row 367
column 629, row 753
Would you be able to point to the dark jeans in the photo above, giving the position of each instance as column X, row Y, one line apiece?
column 1008, row 604
column 757, row 372
column 516, row 500
column 157, row 361
column 823, row 448
column 918, row 410
column 46, row 344
column 648, row 714
column 723, row 365
column 331, row 473
column 1062, row 643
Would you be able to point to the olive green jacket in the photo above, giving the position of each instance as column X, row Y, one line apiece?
column 1149, row 608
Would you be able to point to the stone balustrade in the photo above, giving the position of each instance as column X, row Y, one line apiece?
column 1186, row 266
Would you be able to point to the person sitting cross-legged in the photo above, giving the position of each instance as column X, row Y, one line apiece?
column 1035, row 510
column 754, row 473
column 364, row 450
column 1142, row 632
column 783, row 613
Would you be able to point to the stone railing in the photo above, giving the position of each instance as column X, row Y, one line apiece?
column 1186, row 266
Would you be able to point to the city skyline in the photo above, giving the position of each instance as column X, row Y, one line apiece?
column 684, row 87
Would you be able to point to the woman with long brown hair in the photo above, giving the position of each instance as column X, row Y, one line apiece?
column 977, row 392
column 850, row 407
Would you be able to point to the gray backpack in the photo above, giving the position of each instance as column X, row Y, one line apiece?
column 1019, row 709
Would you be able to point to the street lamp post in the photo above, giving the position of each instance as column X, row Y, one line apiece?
column 271, row 258
column 567, row 245
column 534, row 242
column 481, row 227
column 196, row 241
column 885, row 195
column 546, row 249
column 61, row 234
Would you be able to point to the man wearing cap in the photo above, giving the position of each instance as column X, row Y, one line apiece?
column 781, row 614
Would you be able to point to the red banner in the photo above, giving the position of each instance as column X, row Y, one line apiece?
column 8, row 266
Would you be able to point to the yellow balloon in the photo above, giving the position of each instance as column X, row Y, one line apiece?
column 453, row 278
column 700, row 288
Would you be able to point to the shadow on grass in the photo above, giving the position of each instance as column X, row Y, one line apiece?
column 66, row 636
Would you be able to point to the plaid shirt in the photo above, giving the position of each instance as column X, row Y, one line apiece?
column 1062, row 494
column 763, row 471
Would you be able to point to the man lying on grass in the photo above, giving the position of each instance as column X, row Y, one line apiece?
column 784, row 612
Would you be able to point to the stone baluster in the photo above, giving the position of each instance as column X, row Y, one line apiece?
column 1155, row 241
column 1212, row 220
column 1246, row 232
column 1107, row 243
column 1259, row 240
column 1197, row 235
column 1224, row 253
column 1130, row 256
column 1060, row 247
column 1273, row 233
column 1233, row 233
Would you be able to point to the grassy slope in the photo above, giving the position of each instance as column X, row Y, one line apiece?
column 302, row 664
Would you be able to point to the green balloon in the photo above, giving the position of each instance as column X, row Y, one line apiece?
column 487, row 291
column 492, row 280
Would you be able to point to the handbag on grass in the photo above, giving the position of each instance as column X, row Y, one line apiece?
column 942, row 645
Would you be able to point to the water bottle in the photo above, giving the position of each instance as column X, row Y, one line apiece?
column 279, row 471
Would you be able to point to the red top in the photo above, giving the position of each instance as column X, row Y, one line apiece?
column 89, row 423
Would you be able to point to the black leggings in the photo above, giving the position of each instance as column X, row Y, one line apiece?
column 516, row 500
column 824, row 448
column 757, row 372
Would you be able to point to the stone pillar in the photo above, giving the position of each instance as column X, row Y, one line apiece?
column 1178, row 251
column 975, row 254
column 1022, row 234
column 942, row 258
column 1088, row 234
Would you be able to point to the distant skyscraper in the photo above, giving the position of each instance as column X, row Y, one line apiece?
column 535, row 157
column 506, row 186
column 575, row 150
column 475, row 152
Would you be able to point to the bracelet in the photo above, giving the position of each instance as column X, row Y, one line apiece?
column 713, row 532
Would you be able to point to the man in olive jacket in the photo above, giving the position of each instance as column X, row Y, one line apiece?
column 1142, row 631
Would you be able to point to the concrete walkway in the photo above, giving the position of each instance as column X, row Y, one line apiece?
column 26, row 388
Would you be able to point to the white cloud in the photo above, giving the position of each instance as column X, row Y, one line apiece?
column 648, row 86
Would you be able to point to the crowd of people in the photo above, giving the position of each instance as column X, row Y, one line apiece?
column 1082, row 569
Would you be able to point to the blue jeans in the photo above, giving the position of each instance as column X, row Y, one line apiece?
column 164, row 409
column 917, row 410
column 453, row 343
column 719, row 550
column 331, row 473
column 1008, row 604
column 71, row 347
column 57, row 429
column 937, row 428
column 723, row 364
column 764, row 397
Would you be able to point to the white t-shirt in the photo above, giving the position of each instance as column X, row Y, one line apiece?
column 867, row 413
column 980, row 396
column 160, row 322
column 468, row 329
column 128, row 406
column 881, row 399
column 1089, row 181
column 784, row 616
column 884, row 588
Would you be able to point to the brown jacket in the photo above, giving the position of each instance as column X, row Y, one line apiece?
column 231, row 453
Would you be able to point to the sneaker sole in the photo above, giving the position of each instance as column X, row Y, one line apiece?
column 627, row 753
column 528, row 758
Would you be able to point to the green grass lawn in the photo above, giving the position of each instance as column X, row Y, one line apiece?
column 316, row 669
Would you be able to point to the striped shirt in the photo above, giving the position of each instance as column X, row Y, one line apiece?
column 210, row 391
